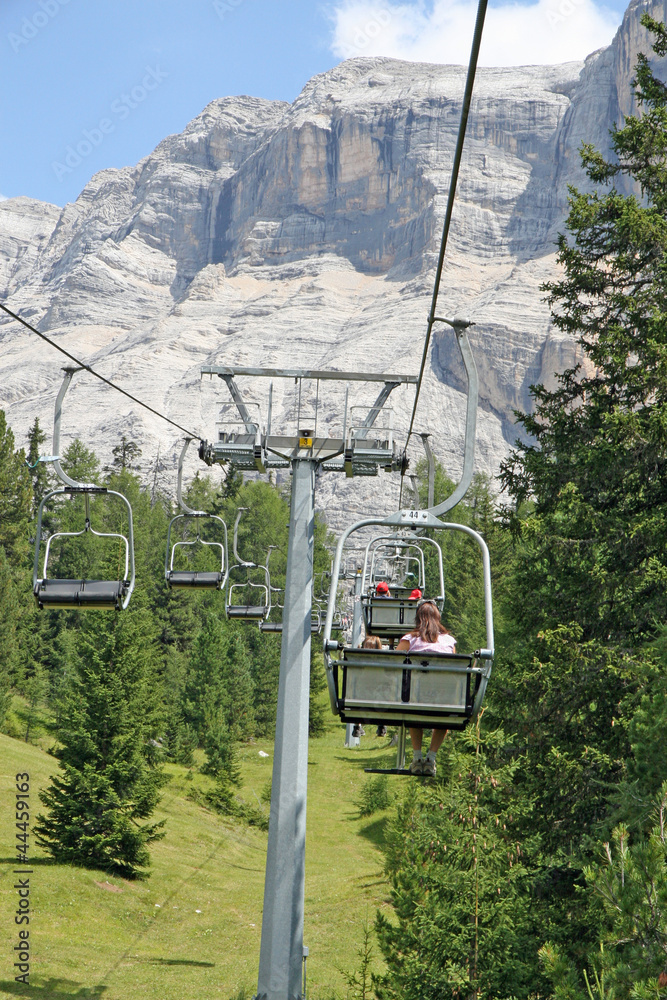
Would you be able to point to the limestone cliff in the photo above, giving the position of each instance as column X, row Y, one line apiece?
column 306, row 234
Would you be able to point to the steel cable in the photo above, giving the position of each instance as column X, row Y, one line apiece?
column 458, row 153
column 82, row 364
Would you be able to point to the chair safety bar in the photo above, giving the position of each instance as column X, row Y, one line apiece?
column 83, row 593
column 213, row 580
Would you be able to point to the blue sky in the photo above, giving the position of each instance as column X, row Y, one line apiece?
column 88, row 84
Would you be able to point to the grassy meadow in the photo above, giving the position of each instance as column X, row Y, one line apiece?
column 193, row 928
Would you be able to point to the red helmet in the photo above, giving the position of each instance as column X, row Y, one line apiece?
column 382, row 588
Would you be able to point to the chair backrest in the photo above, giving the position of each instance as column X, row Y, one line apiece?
column 424, row 689
column 388, row 617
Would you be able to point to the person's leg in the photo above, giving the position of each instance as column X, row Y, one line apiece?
column 436, row 740
column 416, row 736
column 437, row 737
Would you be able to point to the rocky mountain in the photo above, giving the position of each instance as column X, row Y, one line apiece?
column 281, row 235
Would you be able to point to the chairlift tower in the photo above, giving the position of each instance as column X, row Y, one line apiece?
column 364, row 447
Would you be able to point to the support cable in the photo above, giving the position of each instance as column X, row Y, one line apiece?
column 458, row 153
column 82, row 364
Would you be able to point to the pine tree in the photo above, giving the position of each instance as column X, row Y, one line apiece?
column 110, row 780
column 462, row 923
column 627, row 886
column 265, row 665
column 9, row 644
column 237, row 685
column 15, row 495
column 316, row 709
column 203, row 693
column 221, row 764
column 126, row 457
column 15, row 503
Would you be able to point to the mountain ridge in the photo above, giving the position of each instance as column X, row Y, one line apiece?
column 306, row 234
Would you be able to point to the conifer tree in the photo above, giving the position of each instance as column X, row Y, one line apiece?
column 9, row 646
column 15, row 503
column 203, row 694
column 15, row 495
column 627, row 886
column 237, row 686
column 221, row 763
column 596, row 470
column 265, row 665
column 457, row 875
column 38, row 470
column 100, row 805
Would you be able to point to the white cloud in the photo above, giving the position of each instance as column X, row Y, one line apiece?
column 3, row 197
column 515, row 34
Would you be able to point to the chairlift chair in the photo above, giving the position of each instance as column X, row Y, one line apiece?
column 391, row 617
column 196, row 579
column 58, row 593
column 423, row 689
column 256, row 612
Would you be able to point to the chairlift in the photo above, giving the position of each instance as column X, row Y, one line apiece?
column 58, row 593
column 316, row 620
column 197, row 579
column 390, row 617
column 257, row 612
column 423, row 689
column 414, row 689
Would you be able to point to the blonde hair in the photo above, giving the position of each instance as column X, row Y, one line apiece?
column 372, row 642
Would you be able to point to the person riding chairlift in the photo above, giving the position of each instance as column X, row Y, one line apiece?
column 382, row 589
column 429, row 634
column 370, row 642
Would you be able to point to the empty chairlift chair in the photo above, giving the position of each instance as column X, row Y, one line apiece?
column 99, row 594
column 208, row 579
column 256, row 611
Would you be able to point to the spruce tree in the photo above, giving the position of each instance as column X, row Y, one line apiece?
column 595, row 472
column 15, row 495
column 15, row 504
column 265, row 665
column 627, row 888
column 100, row 804
column 9, row 644
column 221, row 763
column 236, row 676
column 38, row 470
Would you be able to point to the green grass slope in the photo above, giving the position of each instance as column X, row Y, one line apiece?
column 193, row 928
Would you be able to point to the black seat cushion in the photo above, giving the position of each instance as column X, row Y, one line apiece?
column 183, row 578
column 80, row 593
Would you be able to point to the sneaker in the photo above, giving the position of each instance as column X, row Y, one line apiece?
column 381, row 731
column 416, row 767
column 429, row 768
column 356, row 731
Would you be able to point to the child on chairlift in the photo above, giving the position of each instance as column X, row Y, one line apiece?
column 371, row 642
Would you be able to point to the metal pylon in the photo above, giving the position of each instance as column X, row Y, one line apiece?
column 357, row 623
column 362, row 449
column 281, row 955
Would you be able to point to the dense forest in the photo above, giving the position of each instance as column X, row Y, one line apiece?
column 535, row 865
column 168, row 675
